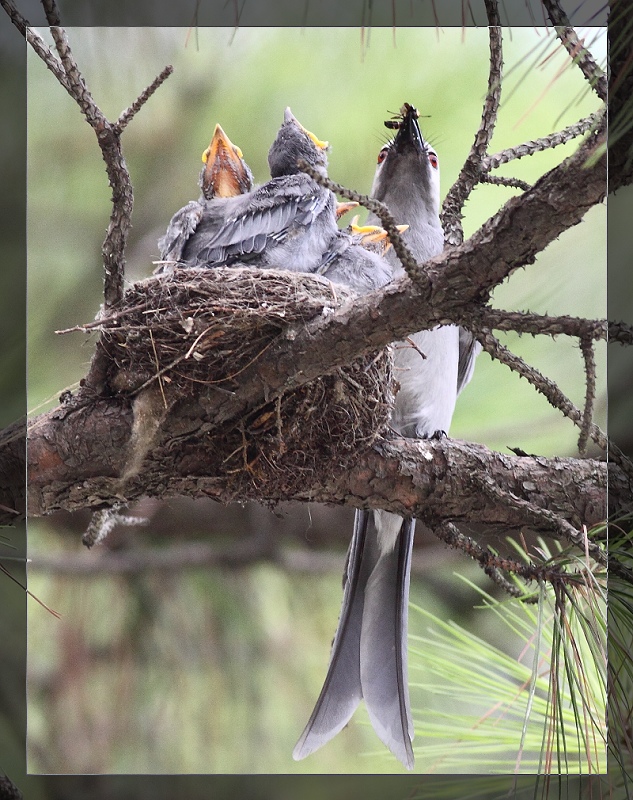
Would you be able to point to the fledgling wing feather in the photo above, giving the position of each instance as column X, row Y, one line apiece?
column 270, row 214
column 348, row 262
column 336, row 249
column 181, row 226
column 358, row 268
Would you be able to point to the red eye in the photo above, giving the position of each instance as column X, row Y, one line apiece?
column 383, row 154
column 433, row 160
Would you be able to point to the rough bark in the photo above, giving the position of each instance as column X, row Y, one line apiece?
column 76, row 460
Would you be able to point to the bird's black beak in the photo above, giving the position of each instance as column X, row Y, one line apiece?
column 408, row 130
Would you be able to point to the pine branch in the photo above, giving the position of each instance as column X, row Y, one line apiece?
column 586, row 346
column 544, row 142
column 73, row 465
column 497, row 180
column 471, row 171
column 535, row 324
column 576, row 49
column 544, row 385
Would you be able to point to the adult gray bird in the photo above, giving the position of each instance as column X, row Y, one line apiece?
column 369, row 652
column 288, row 222
column 224, row 176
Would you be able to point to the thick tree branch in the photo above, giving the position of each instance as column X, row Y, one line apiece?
column 76, row 458
column 446, row 287
column 80, row 453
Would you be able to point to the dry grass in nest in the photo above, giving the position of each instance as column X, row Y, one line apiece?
column 197, row 330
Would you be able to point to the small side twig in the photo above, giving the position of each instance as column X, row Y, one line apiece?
column 380, row 209
column 495, row 565
column 544, row 142
column 537, row 324
column 127, row 115
column 514, row 183
column 544, row 385
column 488, row 561
column 576, row 49
column 553, row 394
column 586, row 346
column 470, row 173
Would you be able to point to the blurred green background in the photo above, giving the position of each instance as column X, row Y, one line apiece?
column 216, row 669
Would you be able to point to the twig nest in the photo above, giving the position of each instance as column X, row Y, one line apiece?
column 192, row 334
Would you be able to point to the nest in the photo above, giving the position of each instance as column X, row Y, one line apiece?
column 195, row 332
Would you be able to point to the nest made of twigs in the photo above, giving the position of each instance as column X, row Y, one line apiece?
column 197, row 331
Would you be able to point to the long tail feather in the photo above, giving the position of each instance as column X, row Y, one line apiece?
column 341, row 692
column 383, row 645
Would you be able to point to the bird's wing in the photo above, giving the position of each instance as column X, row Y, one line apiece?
column 337, row 247
column 269, row 215
column 181, row 226
column 358, row 268
column 469, row 349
